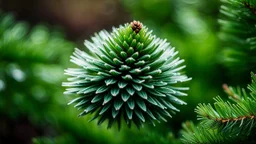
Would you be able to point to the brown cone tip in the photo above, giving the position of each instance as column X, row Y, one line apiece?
column 136, row 26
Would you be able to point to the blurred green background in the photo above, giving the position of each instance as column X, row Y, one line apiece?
column 37, row 38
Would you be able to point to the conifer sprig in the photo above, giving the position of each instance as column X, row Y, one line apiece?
column 225, row 120
column 238, row 35
column 194, row 134
column 230, row 121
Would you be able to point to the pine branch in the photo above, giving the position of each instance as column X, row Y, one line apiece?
column 238, row 118
column 199, row 135
column 224, row 120
column 227, row 121
column 238, row 35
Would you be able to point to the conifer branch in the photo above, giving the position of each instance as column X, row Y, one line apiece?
column 227, row 121
column 238, row 35
column 199, row 135
column 224, row 120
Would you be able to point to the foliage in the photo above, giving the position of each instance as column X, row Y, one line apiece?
column 231, row 121
column 197, row 134
column 237, row 33
column 129, row 73
column 190, row 26
column 225, row 121
column 32, row 62
column 29, row 65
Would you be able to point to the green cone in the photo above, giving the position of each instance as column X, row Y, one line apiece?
column 128, row 74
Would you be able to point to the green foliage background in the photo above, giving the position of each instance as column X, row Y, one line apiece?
column 33, row 59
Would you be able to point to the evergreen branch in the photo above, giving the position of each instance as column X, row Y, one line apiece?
column 230, row 118
column 199, row 135
column 238, row 34
column 224, row 121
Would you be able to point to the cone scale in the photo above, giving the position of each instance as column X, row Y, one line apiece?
column 127, row 74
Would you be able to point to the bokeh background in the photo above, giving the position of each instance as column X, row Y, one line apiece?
column 37, row 38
